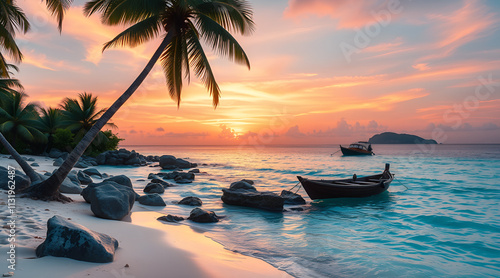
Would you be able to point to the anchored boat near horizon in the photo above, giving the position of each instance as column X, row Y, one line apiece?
column 358, row 148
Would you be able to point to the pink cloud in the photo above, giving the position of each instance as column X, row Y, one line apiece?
column 350, row 14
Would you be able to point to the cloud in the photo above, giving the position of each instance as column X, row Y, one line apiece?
column 183, row 134
column 294, row 132
column 421, row 67
column 350, row 14
column 133, row 131
column 463, row 127
column 227, row 133
column 160, row 129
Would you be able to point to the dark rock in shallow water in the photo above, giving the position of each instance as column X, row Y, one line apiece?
column 121, row 179
column 168, row 161
column 292, row 198
column 203, row 216
column 109, row 199
column 154, row 188
column 84, row 178
column 70, row 240
column 92, row 172
column 194, row 171
column 191, row 201
column 162, row 182
column 81, row 164
column 34, row 164
column 250, row 198
column 242, row 185
column 21, row 181
column 152, row 200
column 171, row 218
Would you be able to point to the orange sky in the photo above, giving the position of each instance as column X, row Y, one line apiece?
column 322, row 72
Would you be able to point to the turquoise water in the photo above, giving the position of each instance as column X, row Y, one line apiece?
column 439, row 218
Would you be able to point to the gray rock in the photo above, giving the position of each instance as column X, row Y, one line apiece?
column 248, row 198
column 133, row 161
column 121, row 179
column 67, row 185
column 162, row 182
column 31, row 159
column 152, row 200
column 191, row 201
column 34, row 164
column 203, row 216
column 170, row 218
column 154, row 188
column 55, row 153
column 292, row 198
column 183, row 164
column 84, row 178
column 74, row 179
column 20, row 180
column 70, row 240
column 58, row 162
column 242, row 185
column 168, row 162
column 81, row 164
column 194, row 171
column 92, row 172
column 109, row 199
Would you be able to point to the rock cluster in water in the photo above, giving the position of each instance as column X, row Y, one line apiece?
column 243, row 193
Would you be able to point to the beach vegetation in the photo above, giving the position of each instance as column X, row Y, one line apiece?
column 182, row 25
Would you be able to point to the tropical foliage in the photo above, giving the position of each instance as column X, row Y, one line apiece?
column 40, row 129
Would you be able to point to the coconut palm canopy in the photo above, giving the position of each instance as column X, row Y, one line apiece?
column 189, row 22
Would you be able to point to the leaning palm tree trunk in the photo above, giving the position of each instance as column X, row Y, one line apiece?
column 49, row 189
column 24, row 165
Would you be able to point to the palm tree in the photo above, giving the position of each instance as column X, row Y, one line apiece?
column 48, row 123
column 19, row 120
column 182, row 24
column 79, row 115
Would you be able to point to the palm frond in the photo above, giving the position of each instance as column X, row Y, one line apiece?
column 57, row 8
column 171, row 61
column 137, row 34
column 221, row 40
column 233, row 15
column 201, row 66
column 115, row 12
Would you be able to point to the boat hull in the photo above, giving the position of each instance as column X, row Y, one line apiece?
column 352, row 152
column 347, row 188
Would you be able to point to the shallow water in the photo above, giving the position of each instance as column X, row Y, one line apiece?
column 439, row 218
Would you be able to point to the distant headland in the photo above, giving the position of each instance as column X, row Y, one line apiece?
column 395, row 138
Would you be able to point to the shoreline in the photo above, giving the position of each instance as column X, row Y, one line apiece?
column 149, row 247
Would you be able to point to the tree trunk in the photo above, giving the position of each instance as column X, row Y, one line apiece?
column 24, row 165
column 49, row 189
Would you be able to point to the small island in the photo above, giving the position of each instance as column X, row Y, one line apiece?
column 395, row 138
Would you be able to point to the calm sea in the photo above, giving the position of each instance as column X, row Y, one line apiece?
column 439, row 218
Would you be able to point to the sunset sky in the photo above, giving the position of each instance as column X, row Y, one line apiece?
column 322, row 72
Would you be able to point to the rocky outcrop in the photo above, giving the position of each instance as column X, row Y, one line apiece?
column 70, row 240
column 203, row 216
column 244, row 194
column 84, row 178
column 170, row 162
column 109, row 199
column 152, row 200
column 121, row 157
column 20, row 181
column 395, row 138
column 292, row 198
column 177, row 176
column 92, row 172
column 191, row 201
column 121, row 179
column 170, row 218
column 154, row 188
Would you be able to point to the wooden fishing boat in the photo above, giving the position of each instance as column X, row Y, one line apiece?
column 355, row 187
column 359, row 148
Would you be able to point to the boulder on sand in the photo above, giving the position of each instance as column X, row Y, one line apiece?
column 191, row 201
column 152, row 200
column 154, row 188
column 109, row 199
column 21, row 181
column 70, row 240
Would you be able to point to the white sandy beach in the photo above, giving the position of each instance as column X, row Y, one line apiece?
column 147, row 247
